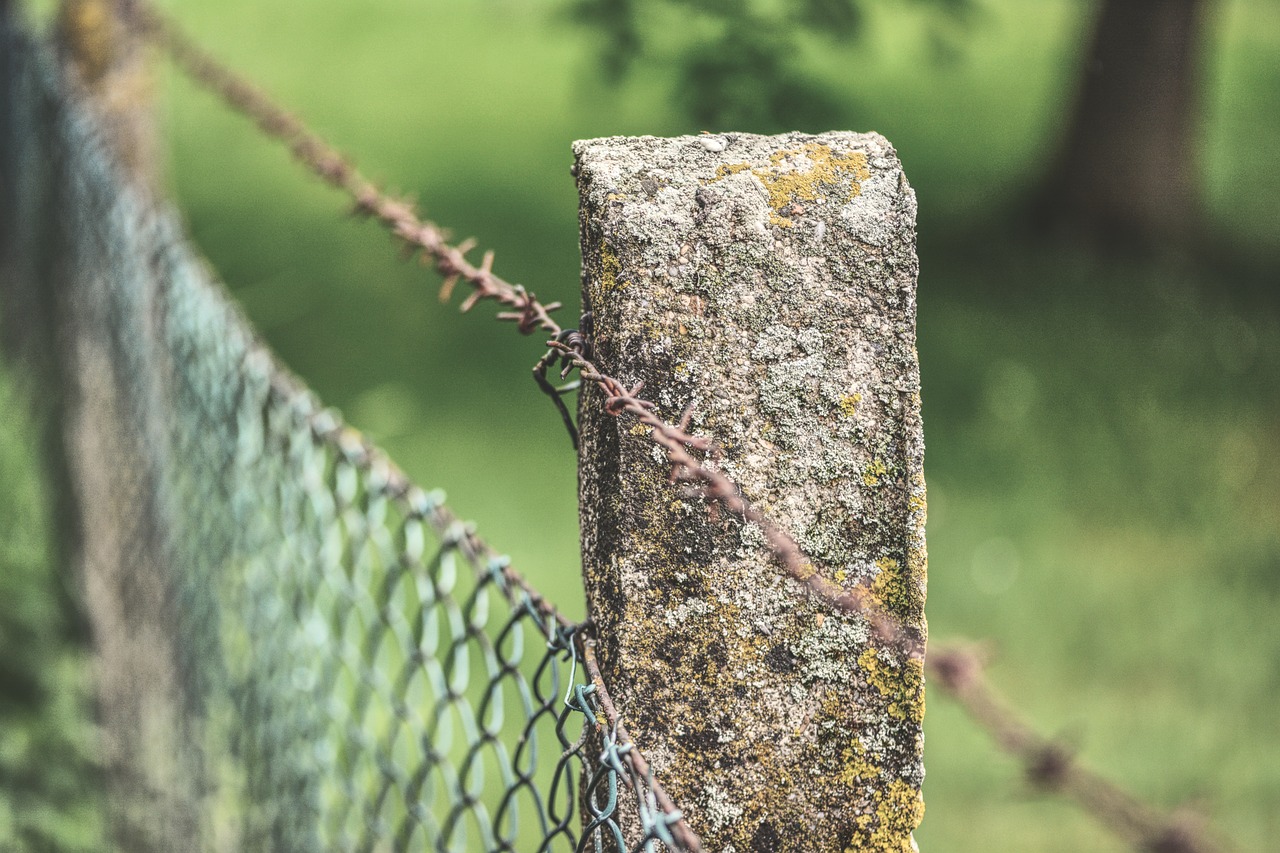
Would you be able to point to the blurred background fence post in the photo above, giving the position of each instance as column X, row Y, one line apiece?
column 765, row 286
column 109, row 58
column 83, row 273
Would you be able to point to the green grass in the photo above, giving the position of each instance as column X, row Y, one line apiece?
column 1102, row 439
column 1104, row 479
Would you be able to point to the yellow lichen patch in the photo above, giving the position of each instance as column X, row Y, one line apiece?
column 898, row 813
column 840, row 575
column 856, row 768
column 831, row 176
column 869, row 662
column 849, row 405
column 827, row 177
column 895, row 589
column 873, row 472
column 902, row 685
column 610, row 266
column 917, row 562
column 726, row 169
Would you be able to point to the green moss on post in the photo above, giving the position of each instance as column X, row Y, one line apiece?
column 769, row 284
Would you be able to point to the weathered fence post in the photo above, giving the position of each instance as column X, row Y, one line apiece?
column 101, row 42
column 767, row 284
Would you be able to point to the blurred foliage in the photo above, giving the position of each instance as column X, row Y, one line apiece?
column 47, row 751
column 741, row 63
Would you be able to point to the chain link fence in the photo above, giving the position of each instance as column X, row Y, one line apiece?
column 297, row 648
column 336, row 662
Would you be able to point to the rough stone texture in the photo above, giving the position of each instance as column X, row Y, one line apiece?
column 769, row 284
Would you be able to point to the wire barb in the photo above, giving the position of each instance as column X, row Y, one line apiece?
column 327, row 163
column 1051, row 765
column 528, row 314
column 713, row 485
column 959, row 673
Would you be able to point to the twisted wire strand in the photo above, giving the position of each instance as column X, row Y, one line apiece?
column 1051, row 766
column 529, row 315
column 957, row 671
column 326, row 162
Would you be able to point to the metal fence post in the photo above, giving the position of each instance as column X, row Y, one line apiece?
column 766, row 284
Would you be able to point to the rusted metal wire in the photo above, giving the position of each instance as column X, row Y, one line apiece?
column 579, row 342
column 711, row 483
column 1051, row 765
column 957, row 672
column 639, row 766
column 330, row 165
column 528, row 314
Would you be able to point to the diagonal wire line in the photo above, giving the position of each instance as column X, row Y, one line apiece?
column 955, row 671
column 530, row 315
column 1051, row 766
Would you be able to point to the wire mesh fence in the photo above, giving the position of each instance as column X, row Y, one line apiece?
column 392, row 687
column 357, row 670
column 346, row 664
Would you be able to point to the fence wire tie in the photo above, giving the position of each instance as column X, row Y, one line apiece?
column 658, row 822
column 454, row 536
column 495, row 568
column 580, row 692
column 565, row 638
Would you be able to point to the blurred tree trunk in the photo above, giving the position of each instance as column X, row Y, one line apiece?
column 1128, row 172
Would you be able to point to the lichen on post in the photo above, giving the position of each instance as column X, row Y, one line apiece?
column 766, row 284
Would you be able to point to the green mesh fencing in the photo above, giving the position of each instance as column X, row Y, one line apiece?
column 297, row 648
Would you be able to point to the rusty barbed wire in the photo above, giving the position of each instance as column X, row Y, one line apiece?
column 528, row 313
column 1051, row 765
column 958, row 672
column 713, row 484
column 325, row 161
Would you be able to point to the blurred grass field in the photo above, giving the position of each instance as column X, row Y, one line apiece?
column 1103, row 439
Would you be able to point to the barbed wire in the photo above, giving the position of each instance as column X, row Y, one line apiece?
column 713, row 484
column 530, row 315
column 323, row 160
column 1051, row 766
column 957, row 671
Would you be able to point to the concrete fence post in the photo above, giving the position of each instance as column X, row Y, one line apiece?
column 767, row 285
